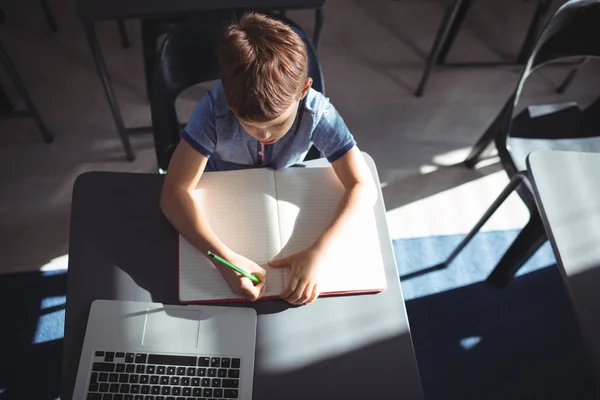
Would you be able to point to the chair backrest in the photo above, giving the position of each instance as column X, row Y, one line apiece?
column 188, row 57
column 573, row 32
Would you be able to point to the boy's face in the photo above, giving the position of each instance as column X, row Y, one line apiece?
column 271, row 131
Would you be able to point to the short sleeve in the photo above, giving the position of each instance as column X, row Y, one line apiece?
column 331, row 136
column 200, row 131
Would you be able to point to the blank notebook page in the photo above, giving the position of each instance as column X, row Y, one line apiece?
column 307, row 200
column 241, row 209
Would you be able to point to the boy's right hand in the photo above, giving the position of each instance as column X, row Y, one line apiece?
column 239, row 284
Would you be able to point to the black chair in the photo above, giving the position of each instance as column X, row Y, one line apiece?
column 573, row 32
column 152, row 28
column 188, row 57
column 450, row 26
column 6, row 106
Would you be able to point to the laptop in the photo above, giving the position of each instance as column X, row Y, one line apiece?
column 150, row 351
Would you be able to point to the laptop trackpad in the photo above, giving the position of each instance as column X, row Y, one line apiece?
column 172, row 325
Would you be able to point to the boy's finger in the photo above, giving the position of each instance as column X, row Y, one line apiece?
column 281, row 262
column 315, row 294
column 297, row 294
column 290, row 287
column 250, row 291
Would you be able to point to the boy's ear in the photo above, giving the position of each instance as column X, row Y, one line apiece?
column 306, row 87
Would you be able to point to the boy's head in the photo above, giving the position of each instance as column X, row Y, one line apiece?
column 263, row 66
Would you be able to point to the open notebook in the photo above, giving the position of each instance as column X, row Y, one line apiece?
column 264, row 214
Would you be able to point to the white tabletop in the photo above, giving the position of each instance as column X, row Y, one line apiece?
column 567, row 190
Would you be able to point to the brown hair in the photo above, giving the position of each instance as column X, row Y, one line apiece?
column 262, row 64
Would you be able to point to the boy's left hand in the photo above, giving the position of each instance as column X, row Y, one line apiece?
column 302, row 287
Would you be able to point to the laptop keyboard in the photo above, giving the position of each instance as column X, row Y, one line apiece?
column 141, row 376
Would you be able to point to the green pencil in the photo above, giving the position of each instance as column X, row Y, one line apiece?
column 233, row 267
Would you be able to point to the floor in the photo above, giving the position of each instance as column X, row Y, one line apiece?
column 372, row 55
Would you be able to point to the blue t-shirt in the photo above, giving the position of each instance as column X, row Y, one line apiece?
column 214, row 131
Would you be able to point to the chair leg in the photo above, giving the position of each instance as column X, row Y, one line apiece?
column 20, row 86
column 319, row 21
column 562, row 88
column 512, row 185
column 529, row 240
column 6, row 105
column 533, row 30
column 440, row 39
column 49, row 16
column 454, row 29
column 488, row 136
column 149, row 49
column 90, row 33
column 123, row 34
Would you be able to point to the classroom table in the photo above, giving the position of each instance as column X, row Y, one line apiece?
column 121, row 247
column 567, row 192
column 92, row 11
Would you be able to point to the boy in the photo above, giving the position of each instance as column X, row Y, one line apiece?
column 263, row 114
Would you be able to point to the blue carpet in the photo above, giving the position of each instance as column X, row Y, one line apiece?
column 472, row 341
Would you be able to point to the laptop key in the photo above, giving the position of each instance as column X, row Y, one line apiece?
column 235, row 362
column 107, row 396
column 176, row 391
column 128, row 397
column 120, row 368
column 191, row 371
column 156, row 389
column 146, row 389
column 164, row 359
column 174, row 380
column 140, row 358
column 233, row 373
column 93, row 387
column 104, row 387
column 203, row 361
column 231, row 383
column 140, row 369
column 94, row 396
column 205, row 382
column 129, row 357
column 216, row 383
column 197, row 392
column 94, row 377
column 123, row 378
column 164, row 380
column 124, row 388
column 149, row 397
column 99, row 353
column 139, row 397
column 215, row 362
column 117, row 397
column 160, row 370
column 150, row 369
column 120, row 354
column 114, row 388
column 130, row 368
column 180, row 370
column 187, row 391
column 230, row 393
column 195, row 382
column 206, row 392
column 135, row 389
column 103, row 367
column 212, row 372
column 166, row 390
column 133, row 379
column 222, row 373
column 144, row 378
column 201, row 371
column 225, row 362
column 113, row 377
column 185, row 381
column 170, row 370
column 154, row 379
column 218, row 393
column 109, row 356
column 103, row 377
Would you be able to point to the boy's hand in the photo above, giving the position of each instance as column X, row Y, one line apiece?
column 239, row 284
column 302, row 287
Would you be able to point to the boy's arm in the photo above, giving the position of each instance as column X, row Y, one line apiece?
column 184, row 213
column 360, row 192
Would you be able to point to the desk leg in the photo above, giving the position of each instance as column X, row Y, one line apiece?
column 20, row 86
column 455, row 26
column 319, row 21
column 90, row 33
column 438, row 44
column 6, row 105
column 533, row 31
